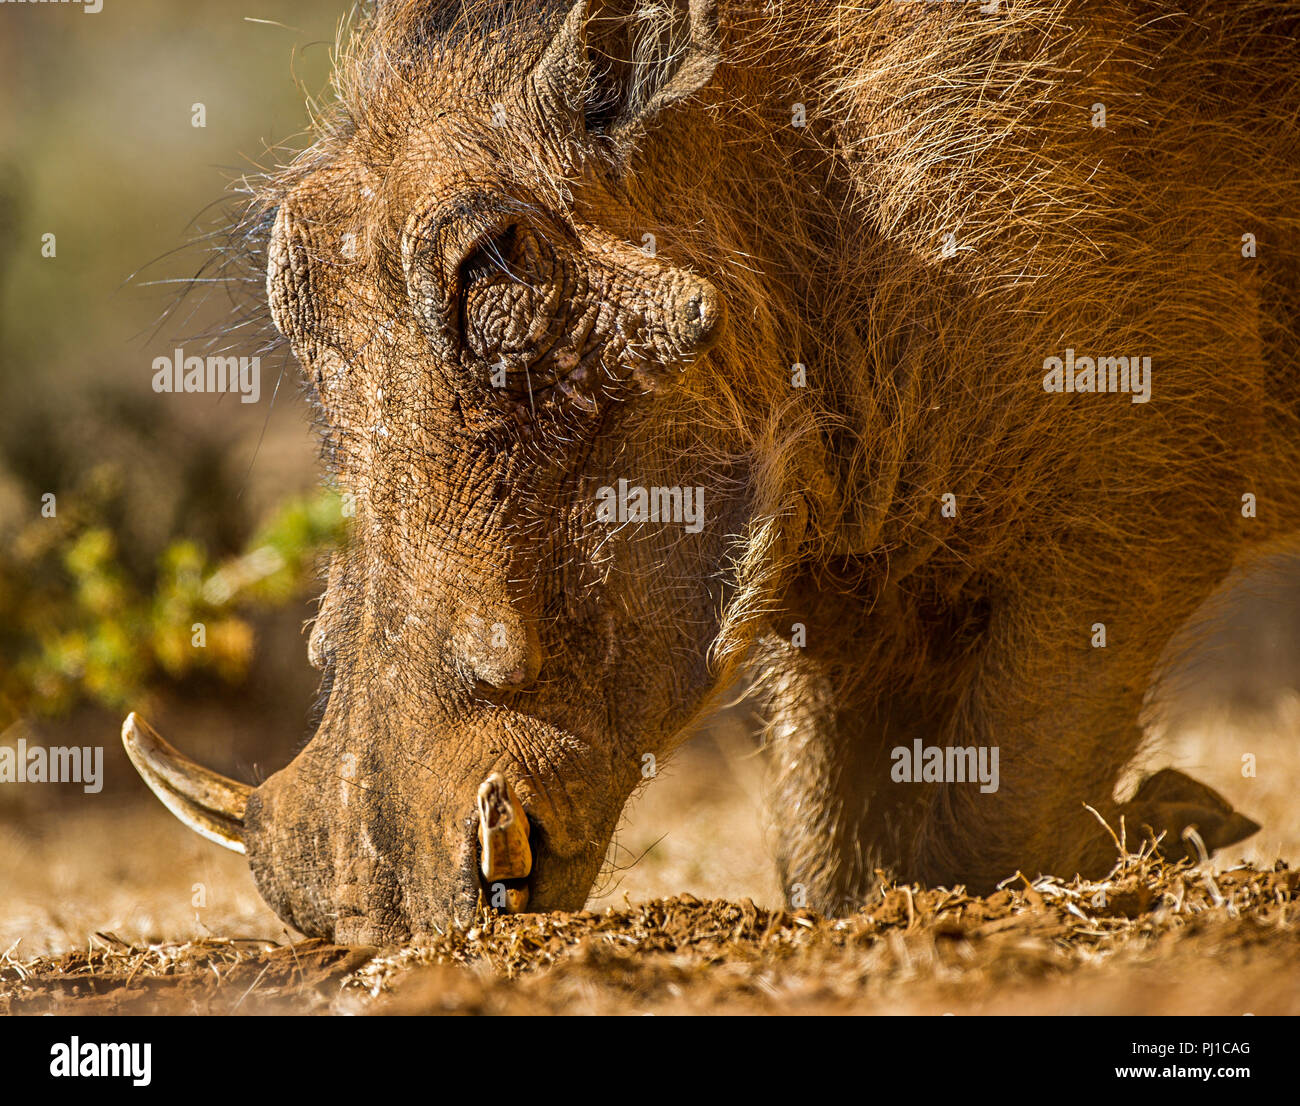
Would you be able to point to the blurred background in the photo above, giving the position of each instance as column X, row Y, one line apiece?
column 177, row 510
column 170, row 510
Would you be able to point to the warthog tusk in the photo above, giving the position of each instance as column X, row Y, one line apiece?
column 208, row 803
column 502, row 831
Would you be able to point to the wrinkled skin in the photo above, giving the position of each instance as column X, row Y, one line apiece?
column 480, row 620
column 476, row 216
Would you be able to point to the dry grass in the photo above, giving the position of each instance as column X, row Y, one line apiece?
column 102, row 902
column 1168, row 939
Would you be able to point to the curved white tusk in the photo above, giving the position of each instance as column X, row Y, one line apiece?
column 210, row 804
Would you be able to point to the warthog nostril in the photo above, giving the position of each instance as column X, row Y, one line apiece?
column 505, row 856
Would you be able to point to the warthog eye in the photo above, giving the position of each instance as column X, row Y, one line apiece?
column 512, row 289
column 491, row 260
column 490, row 280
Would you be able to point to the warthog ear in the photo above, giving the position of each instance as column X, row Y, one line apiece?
column 618, row 63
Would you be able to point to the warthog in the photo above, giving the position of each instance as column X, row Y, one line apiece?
column 965, row 329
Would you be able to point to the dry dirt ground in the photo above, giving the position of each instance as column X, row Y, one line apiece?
column 124, row 911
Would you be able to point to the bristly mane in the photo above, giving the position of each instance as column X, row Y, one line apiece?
column 947, row 220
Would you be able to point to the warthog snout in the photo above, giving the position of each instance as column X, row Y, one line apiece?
column 345, row 851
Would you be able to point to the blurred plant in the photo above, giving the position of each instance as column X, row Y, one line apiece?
column 76, row 626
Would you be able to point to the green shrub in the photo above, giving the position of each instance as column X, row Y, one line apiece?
column 76, row 627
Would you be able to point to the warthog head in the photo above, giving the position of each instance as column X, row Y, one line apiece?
column 491, row 269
